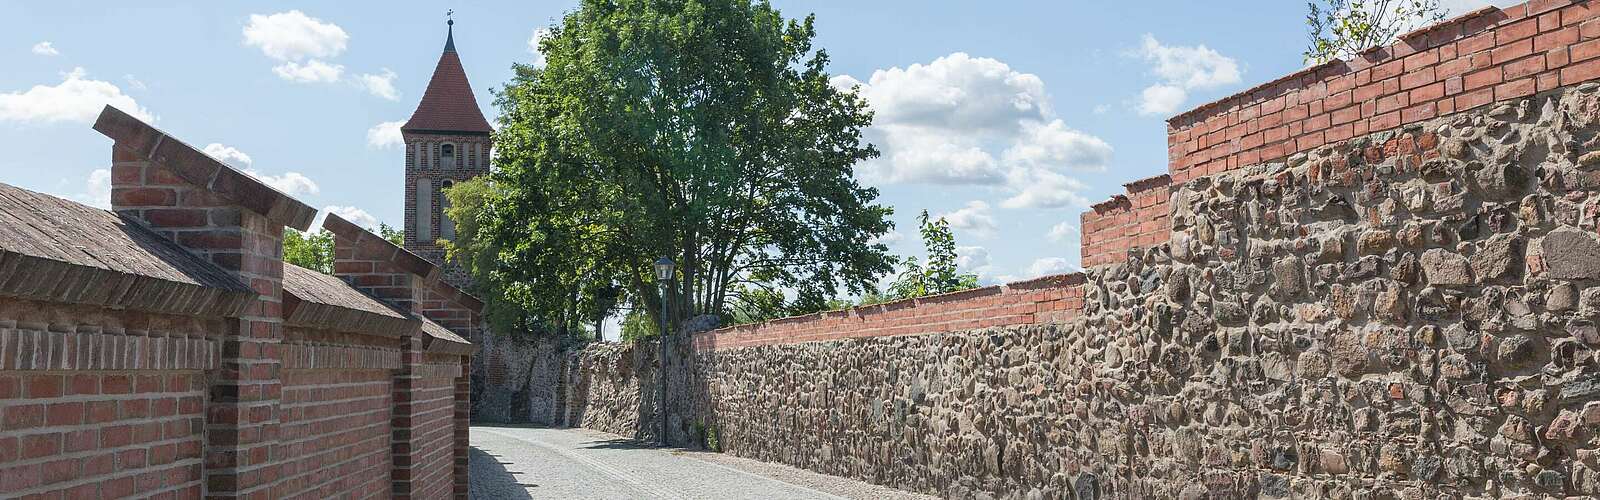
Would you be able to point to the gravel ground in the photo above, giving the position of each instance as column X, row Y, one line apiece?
column 525, row 462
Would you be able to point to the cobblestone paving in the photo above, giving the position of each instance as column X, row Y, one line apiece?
column 524, row 463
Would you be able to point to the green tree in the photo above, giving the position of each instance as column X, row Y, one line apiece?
column 311, row 250
column 1340, row 29
column 637, row 325
column 388, row 232
column 939, row 275
column 503, row 303
column 702, row 130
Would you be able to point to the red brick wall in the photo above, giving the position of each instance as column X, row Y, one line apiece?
column 308, row 414
column 1475, row 60
column 110, row 404
column 1488, row 56
column 335, row 416
column 431, row 400
column 1137, row 220
column 244, row 393
column 1047, row 299
column 426, row 416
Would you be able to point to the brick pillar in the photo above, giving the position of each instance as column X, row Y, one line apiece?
column 237, row 223
column 463, row 422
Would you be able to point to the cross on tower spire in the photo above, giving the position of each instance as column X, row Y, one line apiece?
column 450, row 27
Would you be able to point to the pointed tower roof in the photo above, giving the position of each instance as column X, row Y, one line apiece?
column 448, row 105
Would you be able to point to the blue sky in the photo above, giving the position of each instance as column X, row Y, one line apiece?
column 1008, row 118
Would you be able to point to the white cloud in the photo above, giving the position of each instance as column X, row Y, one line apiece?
column 889, row 238
column 929, row 158
column 963, row 120
column 229, row 155
column 539, row 34
column 381, row 85
column 1161, row 99
column 1051, row 265
column 96, row 190
column 1182, row 69
column 973, row 217
column 385, row 135
column 134, row 83
column 75, row 99
column 972, row 258
column 1054, row 145
column 305, row 48
column 1459, row 7
column 294, row 36
column 1196, row 67
column 976, row 260
column 1101, row 109
column 1059, row 233
column 957, row 89
column 1040, row 188
column 291, row 183
column 355, row 215
column 45, row 49
column 313, row 71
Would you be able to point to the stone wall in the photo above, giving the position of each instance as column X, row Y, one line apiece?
column 1376, row 278
column 514, row 378
column 1410, row 312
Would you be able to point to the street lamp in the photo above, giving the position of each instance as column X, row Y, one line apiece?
column 663, row 276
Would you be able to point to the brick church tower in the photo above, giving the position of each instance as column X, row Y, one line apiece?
column 447, row 141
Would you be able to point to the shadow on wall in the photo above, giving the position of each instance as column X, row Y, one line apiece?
column 490, row 479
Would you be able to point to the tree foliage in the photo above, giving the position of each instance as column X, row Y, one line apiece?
column 1340, row 29
column 702, row 130
column 312, row 250
column 388, row 232
column 939, row 275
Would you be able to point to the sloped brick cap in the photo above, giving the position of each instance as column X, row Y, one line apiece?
column 439, row 339
column 317, row 300
column 1051, row 281
column 448, row 105
column 201, row 170
column 370, row 243
column 56, row 250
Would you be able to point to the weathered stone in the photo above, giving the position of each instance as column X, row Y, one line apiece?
column 1571, row 254
column 1561, row 297
column 1583, row 389
column 1500, row 258
column 1390, row 305
column 1426, row 467
column 1333, row 462
column 1365, row 268
column 1442, row 268
column 1288, row 276
column 1375, row 242
column 1516, row 350
column 1330, row 249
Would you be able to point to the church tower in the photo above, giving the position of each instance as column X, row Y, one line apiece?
column 447, row 141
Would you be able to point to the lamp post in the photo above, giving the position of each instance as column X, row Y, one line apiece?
column 663, row 276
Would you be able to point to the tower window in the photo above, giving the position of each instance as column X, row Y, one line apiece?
column 424, row 215
column 447, row 155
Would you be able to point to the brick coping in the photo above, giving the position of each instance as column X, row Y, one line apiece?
column 201, row 170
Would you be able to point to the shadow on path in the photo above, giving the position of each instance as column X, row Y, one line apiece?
column 490, row 479
column 619, row 444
